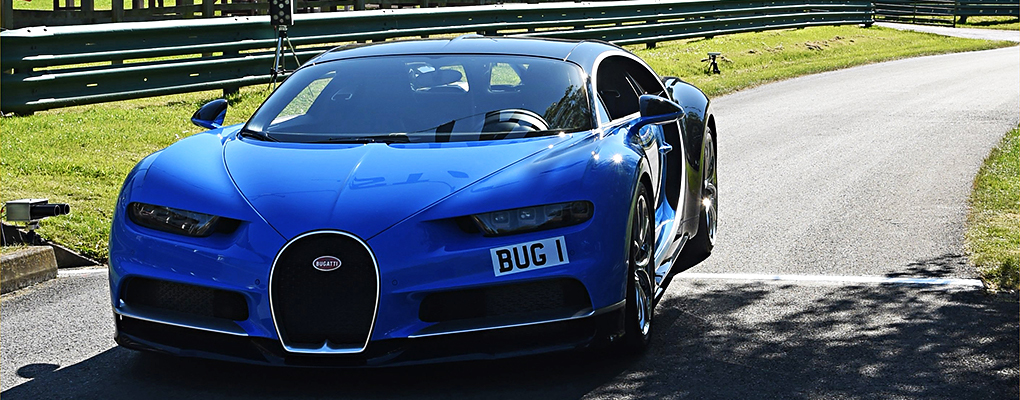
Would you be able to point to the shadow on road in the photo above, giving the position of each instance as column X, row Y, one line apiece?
column 799, row 342
column 942, row 266
column 713, row 340
column 119, row 373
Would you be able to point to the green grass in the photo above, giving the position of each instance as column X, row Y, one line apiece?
column 12, row 248
column 753, row 59
column 1005, row 23
column 993, row 224
column 80, row 155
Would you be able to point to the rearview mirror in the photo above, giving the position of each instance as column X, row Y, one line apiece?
column 211, row 115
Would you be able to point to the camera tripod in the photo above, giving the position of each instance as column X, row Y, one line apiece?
column 279, row 59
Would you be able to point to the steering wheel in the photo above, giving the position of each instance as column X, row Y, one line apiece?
column 514, row 120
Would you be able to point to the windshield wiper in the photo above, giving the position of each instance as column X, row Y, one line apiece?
column 367, row 139
column 245, row 132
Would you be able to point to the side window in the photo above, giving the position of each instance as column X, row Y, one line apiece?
column 620, row 82
column 615, row 89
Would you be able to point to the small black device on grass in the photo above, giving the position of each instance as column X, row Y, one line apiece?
column 30, row 212
column 713, row 65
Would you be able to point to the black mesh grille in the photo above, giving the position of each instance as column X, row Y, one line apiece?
column 184, row 298
column 312, row 306
column 518, row 299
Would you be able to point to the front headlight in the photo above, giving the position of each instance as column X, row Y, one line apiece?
column 528, row 219
column 181, row 222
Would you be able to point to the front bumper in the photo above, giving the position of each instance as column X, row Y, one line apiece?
column 601, row 328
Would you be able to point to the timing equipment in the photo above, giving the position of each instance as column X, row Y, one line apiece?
column 281, row 15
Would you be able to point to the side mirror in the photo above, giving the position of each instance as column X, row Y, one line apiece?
column 655, row 110
column 211, row 115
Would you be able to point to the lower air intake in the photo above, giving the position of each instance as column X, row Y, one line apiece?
column 184, row 298
column 562, row 296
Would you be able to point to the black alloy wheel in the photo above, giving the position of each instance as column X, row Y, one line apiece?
column 640, row 281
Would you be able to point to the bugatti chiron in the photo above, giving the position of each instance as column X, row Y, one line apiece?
column 415, row 201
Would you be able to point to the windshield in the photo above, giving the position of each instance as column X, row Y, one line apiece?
column 426, row 99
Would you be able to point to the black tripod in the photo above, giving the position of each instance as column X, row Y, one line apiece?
column 279, row 60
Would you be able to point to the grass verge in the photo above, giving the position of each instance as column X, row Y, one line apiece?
column 993, row 224
column 754, row 59
column 12, row 248
column 80, row 155
column 1004, row 23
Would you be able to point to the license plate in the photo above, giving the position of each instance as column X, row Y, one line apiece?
column 529, row 256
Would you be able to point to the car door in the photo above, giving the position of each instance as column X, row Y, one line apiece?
column 619, row 90
column 620, row 82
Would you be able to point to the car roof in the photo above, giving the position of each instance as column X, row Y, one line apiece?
column 469, row 44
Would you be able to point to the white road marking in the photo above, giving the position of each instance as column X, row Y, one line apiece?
column 878, row 280
column 64, row 273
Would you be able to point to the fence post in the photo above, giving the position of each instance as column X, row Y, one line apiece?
column 189, row 8
column 7, row 9
column 117, row 8
column 651, row 45
column 207, row 8
column 88, row 8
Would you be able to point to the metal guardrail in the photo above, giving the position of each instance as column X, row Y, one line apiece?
column 50, row 67
column 976, row 8
column 79, row 12
column 942, row 12
column 923, row 12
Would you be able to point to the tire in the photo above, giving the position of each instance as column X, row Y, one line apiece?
column 701, row 245
column 640, row 282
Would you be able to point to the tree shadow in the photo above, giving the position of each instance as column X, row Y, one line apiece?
column 119, row 373
column 771, row 340
column 946, row 265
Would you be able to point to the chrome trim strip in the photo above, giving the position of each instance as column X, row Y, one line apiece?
column 326, row 349
column 128, row 313
column 603, row 310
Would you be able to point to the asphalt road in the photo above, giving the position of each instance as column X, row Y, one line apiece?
column 860, row 172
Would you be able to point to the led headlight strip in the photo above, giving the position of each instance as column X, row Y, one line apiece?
column 181, row 222
column 528, row 219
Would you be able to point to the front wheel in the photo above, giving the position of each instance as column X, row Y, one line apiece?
column 640, row 296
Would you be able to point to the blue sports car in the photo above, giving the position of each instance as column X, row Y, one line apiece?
column 415, row 201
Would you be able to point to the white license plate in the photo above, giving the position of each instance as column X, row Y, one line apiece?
column 529, row 256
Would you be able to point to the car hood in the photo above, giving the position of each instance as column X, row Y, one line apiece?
column 364, row 188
